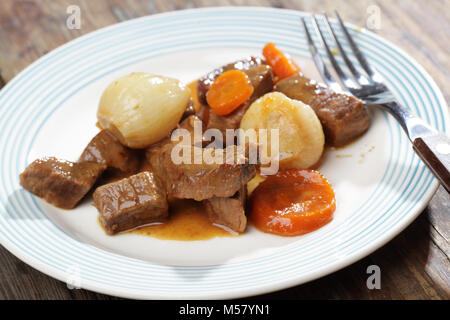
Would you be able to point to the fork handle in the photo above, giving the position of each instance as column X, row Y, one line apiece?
column 434, row 150
column 433, row 147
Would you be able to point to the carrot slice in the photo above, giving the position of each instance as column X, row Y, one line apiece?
column 292, row 203
column 282, row 65
column 231, row 89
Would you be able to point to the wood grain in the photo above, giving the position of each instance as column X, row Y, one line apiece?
column 415, row 265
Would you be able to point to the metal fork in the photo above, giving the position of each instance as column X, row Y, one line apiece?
column 433, row 147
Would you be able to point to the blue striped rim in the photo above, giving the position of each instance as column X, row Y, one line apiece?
column 32, row 208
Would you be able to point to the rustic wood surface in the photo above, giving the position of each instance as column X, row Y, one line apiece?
column 415, row 265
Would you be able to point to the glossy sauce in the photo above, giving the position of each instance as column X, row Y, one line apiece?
column 194, row 95
column 188, row 221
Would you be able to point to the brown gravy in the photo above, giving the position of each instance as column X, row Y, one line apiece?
column 188, row 221
column 194, row 95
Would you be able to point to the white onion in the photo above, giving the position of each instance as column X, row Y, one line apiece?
column 141, row 108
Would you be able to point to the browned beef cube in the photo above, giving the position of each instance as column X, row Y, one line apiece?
column 61, row 183
column 228, row 212
column 105, row 148
column 343, row 117
column 200, row 181
column 261, row 78
column 131, row 202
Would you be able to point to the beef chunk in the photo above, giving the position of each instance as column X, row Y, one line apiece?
column 205, row 82
column 131, row 202
column 230, row 121
column 105, row 148
column 61, row 183
column 202, row 180
column 261, row 78
column 228, row 212
column 343, row 117
column 189, row 124
column 222, row 186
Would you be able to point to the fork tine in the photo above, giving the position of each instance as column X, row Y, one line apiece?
column 323, row 70
column 362, row 80
column 362, row 60
column 348, row 82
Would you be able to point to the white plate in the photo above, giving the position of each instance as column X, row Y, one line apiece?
column 49, row 109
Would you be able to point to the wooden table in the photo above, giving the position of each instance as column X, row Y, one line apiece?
column 415, row 265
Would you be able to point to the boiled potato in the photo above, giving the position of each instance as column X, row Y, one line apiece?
column 301, row 138
column 141, row 108
column 255, row 182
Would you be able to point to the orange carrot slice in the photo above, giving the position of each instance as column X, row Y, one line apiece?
column 292, row 203
column 231, row 89
column 282, row 65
